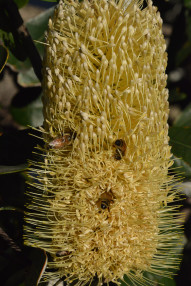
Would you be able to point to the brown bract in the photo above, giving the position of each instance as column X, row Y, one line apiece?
column 101, row 201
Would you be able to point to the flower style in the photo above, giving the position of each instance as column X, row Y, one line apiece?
column 100, row 206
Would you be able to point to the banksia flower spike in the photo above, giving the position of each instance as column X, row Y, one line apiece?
column 101, row 187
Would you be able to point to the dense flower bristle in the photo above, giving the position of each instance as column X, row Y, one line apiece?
column 100, row 203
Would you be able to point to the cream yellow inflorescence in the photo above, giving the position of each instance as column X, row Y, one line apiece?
column 100, row 203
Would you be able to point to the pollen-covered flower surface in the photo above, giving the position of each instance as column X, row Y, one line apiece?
column 100, row 203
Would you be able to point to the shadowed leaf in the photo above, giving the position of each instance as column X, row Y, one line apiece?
column 28, row 78
column 184, row 120
column 182, row 167
column 39, row 262
column 187, row 4
column 50, row 0
column 180, row 140
column 4, row 54
column 12, row 169
column 21, row 3
column 176, row 96
column 183, row 53
column 29, row 115
column 36, row 27
column 16, row 147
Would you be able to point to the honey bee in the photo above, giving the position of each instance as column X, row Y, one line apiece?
column 61, row 142
column 121, row 147
column 63, row 253
column 105, row 200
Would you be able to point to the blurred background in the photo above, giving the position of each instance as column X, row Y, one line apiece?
column 21, row 107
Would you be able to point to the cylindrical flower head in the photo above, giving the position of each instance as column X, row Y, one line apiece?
column 100, row 203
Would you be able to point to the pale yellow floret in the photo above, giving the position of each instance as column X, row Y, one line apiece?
column 104, row 80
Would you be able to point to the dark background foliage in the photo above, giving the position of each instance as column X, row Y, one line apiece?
column 20, row 107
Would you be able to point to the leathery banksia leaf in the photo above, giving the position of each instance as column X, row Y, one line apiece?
column 101, row 189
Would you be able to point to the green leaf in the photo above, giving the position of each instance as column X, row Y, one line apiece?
column 4, row 54
column 21, row 3
column 37, row 27
column 187, row 4
column 50, row 0
column 17, row 65
column 12, row 169
column 16, row 48
column 180, row 140
column 176, row 95
column 157, row 280
column 184, row 120
column 168, row 282
column 9, row 34
column 183, row 53
column 182, row 167
column 188, row 24
column 28, row 78
column 163, row 281
column 126, row 281
column 29, row 115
